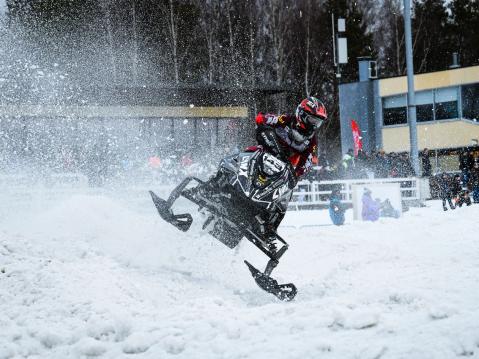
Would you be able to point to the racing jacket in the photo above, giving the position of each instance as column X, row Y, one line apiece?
column 274, row 133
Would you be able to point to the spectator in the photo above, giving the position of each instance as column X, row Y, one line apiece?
column 370, row 210
column 382, row 168
column 465, row 164
column 347, row 164
column 463, row 198
column 336, row 208
column 393, row 165
column 322, row 170
column 426, row 163
column 387, row 209
column 186, row 160
column 404, row 166
column 362, row 164
column 154, row 162
column 445, row 192
column 456, row 186
column 460, row 195
column 372, row 158
column 383, row 165
column 474, row 182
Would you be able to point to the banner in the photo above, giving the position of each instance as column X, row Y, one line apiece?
column 358, row 143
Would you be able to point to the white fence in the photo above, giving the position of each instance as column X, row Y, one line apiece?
column 308, row 195
column 24, row 189
column 57, row 181
column 19, row 192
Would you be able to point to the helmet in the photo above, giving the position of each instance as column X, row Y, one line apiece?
column 310, row 115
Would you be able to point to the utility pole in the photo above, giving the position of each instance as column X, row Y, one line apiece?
column 340, row 54
column 411, row 100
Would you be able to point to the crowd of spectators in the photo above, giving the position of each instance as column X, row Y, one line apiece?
column 452, row 191
column 455, row 189
column 375, row 164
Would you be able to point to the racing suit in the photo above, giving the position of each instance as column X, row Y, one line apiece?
column 276, row 134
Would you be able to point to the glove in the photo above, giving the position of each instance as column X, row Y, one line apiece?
column 268, row 139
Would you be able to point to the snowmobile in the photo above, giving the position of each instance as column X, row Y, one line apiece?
column 249, row 192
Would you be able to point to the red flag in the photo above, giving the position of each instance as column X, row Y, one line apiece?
column 358, row 143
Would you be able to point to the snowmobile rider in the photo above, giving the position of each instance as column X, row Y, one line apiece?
column 292, row 138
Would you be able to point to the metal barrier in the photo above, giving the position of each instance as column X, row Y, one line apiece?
column 310, row 195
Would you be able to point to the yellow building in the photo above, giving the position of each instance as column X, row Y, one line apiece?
column 447, row 104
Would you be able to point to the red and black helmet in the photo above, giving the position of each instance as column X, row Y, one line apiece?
column 310, row 114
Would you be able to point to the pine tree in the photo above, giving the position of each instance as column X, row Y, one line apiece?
column 360, row 40
column 431, row 47
column 464, row 30
column 388, row 29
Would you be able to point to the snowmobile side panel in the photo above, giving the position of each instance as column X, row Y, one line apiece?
column 223, row 230
column 180, row 221
column 232, row 233
column 236, row 231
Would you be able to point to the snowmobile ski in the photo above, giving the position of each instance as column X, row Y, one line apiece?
column 285, row 292
column 180, row 221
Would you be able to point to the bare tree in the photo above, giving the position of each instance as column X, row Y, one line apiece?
column 387, row 28
column 307, row 47
column 278, row 29
column 135, row 44
column 234, row 37
column 106, row 6
column 228, row 10
column 251, row 42
column 209, row 23
column 173, row 39
column 398, row 45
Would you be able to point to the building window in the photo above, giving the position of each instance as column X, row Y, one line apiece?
column 431, row 105
column 446, row 103
column 394, row 110
column 425, row 113
column 446, row 110
column 470, row 102
column 395, row 116
column 424, row 106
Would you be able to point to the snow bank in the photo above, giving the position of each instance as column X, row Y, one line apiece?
column 96, row 276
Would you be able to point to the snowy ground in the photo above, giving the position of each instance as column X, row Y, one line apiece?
column 101, row 276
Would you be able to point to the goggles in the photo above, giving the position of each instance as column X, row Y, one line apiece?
column 314, row 121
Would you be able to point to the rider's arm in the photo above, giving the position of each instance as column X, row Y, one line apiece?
column 306, row 159
column 271, row 120
column 266, row 134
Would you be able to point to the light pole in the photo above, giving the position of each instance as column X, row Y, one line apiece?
column 411, row 101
